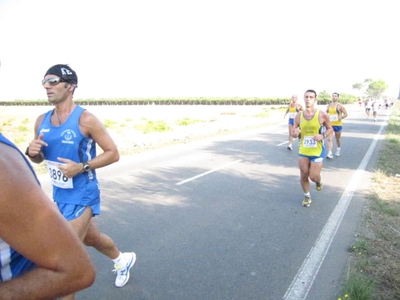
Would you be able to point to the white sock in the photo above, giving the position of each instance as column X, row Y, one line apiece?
column 119, row 260
column 338, row 149
column 290, row 145
column 307, row 194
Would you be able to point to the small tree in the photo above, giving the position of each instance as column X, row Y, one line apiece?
column 324, row 97
column 358, row 86
column 376, row 88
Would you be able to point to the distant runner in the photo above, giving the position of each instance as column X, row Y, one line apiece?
column 292, row 110
column 374, row 108
column 337, row 113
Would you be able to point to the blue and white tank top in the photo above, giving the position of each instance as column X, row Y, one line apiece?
column 67, row 141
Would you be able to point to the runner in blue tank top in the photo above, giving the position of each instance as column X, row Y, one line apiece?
column 65, row 139
column 54, row 263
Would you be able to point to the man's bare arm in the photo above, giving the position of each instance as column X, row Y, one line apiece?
column 296, row 129
column 92, row 127
column 343, row 111
column 326, row 122
column 34, row 150
column 31, row 224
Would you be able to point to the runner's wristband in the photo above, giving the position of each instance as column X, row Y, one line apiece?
column 27, row 153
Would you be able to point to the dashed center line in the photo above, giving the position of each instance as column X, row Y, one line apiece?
column 208, row 172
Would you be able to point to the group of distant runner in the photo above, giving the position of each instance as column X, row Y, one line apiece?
column 374, row 105
column 311, row 126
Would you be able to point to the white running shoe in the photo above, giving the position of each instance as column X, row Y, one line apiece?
column 329, row 155
column 307, row 201
column 123, row 271
column 337, row 153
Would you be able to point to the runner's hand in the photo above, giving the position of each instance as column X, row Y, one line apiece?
column 36, row 145
column 69, row 167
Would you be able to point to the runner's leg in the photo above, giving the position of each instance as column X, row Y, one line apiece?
column 102, row 242
column 304, row 165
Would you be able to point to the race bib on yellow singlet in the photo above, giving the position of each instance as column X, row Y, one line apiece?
column 333, row 118
column 309, row 142
column 292, row 115
column 57, row 177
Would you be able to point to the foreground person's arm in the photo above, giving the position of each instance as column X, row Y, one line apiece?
column 31, row 224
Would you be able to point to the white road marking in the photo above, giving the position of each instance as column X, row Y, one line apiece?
column 208, row 172
column 282, row 143
column 294, row 139
column 304, row 278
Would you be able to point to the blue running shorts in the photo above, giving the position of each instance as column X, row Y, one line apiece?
column 337, row 128
column 316, row 159
column 73, row 211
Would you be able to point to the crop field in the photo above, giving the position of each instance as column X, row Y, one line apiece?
column 139, row 127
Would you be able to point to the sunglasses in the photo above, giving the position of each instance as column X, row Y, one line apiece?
column 53, row 81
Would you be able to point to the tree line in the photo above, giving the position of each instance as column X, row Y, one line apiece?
column 323, row 98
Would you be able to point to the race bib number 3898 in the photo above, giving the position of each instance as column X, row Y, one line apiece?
column 57, row 177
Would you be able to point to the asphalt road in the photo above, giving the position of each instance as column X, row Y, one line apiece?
column 222, row 218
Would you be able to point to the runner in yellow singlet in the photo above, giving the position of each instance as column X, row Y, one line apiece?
column 292, row 110
column 314, row 126
column 337, row 113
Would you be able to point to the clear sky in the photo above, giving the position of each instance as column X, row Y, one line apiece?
column 199, row 48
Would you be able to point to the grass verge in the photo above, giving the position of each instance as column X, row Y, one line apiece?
column 374, row 266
